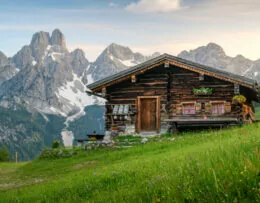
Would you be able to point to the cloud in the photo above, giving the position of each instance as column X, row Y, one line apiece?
column 113, row 5
column 154, row 6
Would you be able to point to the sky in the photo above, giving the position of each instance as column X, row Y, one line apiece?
column 146, row 26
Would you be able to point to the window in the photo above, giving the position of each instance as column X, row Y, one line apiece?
column 188, row 108
column 218, row 108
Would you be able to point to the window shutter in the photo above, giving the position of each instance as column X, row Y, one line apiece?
column 198, row 107
column 208, row 107
column 227, row 107
column 178, row 109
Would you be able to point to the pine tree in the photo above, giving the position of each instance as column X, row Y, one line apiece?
column 4, row 154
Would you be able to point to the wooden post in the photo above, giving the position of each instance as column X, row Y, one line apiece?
column 104, row 91
column 201, row 77
column 133, row 79
column 166, row 64
column 236, row 89
column 16, row 157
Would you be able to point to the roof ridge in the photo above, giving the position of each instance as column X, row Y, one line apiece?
column 210, row 67
column 166, row 56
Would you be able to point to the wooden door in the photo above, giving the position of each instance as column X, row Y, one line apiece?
column 148, row 114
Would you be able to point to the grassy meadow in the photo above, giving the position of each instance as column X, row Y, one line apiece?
column 257, row 112
column 208, row 166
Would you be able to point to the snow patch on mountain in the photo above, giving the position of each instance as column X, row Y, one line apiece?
column 128, row 63
column 74, row 93
column 57, row 111
column 53, row 51
column 90, row 79
column 53, row 54
column 34, row 62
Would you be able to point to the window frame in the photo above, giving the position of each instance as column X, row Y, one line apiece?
column 188, row 103
column 218, row 109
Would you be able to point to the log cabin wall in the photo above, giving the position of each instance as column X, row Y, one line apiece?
column 153, row 82
column 175, row 86
column 182, row 84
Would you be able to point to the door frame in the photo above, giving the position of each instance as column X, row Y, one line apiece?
column 138, row 116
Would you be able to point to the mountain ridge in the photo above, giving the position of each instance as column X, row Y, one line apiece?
column 214, row 55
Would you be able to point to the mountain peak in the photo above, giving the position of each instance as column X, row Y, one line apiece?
column 239, row 56
column 3, row 59
column 115, row 45
column 119, row 51
column 40, row 38
column 78, row 51
column 214, row 46
column 57, row 38
column 40, row 41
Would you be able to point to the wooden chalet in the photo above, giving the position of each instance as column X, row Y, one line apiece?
column 164, row 93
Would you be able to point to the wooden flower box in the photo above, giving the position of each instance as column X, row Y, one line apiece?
column 202, row 93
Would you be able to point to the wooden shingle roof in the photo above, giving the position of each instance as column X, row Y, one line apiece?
column 182, row 63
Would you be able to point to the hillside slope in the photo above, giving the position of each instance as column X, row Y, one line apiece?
column 29, row 132
column 216, row 166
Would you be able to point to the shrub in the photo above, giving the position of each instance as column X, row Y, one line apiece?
column 56, row 144
column 4, row 154
column 93, row 139
column 239, row 99
column 203, row 90
column 56, row 153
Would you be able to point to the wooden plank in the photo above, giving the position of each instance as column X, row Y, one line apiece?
column 158, row 114
column 225, row 119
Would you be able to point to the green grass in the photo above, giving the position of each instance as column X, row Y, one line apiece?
column 216, row 166
column 257, row 112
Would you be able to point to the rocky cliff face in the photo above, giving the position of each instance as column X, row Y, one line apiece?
column 51, row 80
column 116, row 58
column 58, row 39
column 213, row 55
column 7, row 70
column 3, row 59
